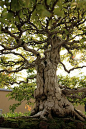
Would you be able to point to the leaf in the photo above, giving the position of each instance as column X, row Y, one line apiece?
column 73, row 5
column 16, row 5
column 2, row 3
column 84, row 32
column 17, row 19
column 27, row 2
column 49, row 1
column 40, row 7
column 58, row 12
column 46, row 13
column 42, row 11
column 83, row 39
column 9, row 16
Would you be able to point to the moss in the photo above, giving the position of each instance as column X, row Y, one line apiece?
column 56, row 123
column 10, row 123
column 29, row 125
column 71, row 126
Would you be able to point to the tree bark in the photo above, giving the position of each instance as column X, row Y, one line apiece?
column 48, row 94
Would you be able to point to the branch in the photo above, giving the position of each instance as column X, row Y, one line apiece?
column 33, row 25
column 46, row 5
column 68, row 49
column 29, row 65
column 71, row 68
column 9, row 48
column 54, row 5
column 73, row 91
column 73, row 96
column 16, row 54
column 74, row 41
column 8, row 32
column 28, row 78
column 11, row 63
column 30, row 50
column 19, row 26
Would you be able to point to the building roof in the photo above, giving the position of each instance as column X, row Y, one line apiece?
column 2, row 89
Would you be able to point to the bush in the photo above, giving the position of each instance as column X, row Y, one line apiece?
column 15, row 114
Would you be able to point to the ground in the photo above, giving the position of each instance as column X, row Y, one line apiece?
column 32, row 123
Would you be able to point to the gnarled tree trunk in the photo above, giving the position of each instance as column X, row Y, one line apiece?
column 50, row 101
column 48, row 95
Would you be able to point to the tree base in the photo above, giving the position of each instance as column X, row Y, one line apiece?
column 45, row 114
column 50, row 100
column 61, row 109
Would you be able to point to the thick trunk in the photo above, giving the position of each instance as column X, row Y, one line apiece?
column 48, row 95
column 50, row 101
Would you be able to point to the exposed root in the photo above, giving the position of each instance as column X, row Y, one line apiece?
column 41, row 115
column 79, row 115
column 45, row 113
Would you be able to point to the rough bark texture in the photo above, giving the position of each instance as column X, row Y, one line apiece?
column 50, row 101
column 49, row 97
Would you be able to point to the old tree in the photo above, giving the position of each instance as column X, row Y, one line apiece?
column 33, row 34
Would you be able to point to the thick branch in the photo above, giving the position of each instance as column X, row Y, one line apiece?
column 75, row 96
column 30, row 50
column 73, row 91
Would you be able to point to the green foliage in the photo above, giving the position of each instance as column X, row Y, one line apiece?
column 15, row 114
column 21, row 93
column 24, row 91
column 72, row 82
column 6, row 80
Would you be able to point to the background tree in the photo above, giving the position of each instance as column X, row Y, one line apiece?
column 42, row 29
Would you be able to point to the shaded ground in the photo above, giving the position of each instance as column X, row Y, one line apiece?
column 30, row 123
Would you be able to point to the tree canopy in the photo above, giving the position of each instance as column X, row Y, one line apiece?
column 29, row 28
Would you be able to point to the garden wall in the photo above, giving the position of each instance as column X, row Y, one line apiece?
column 5, row 103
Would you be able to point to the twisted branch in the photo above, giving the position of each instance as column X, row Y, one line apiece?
column 68, row 71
